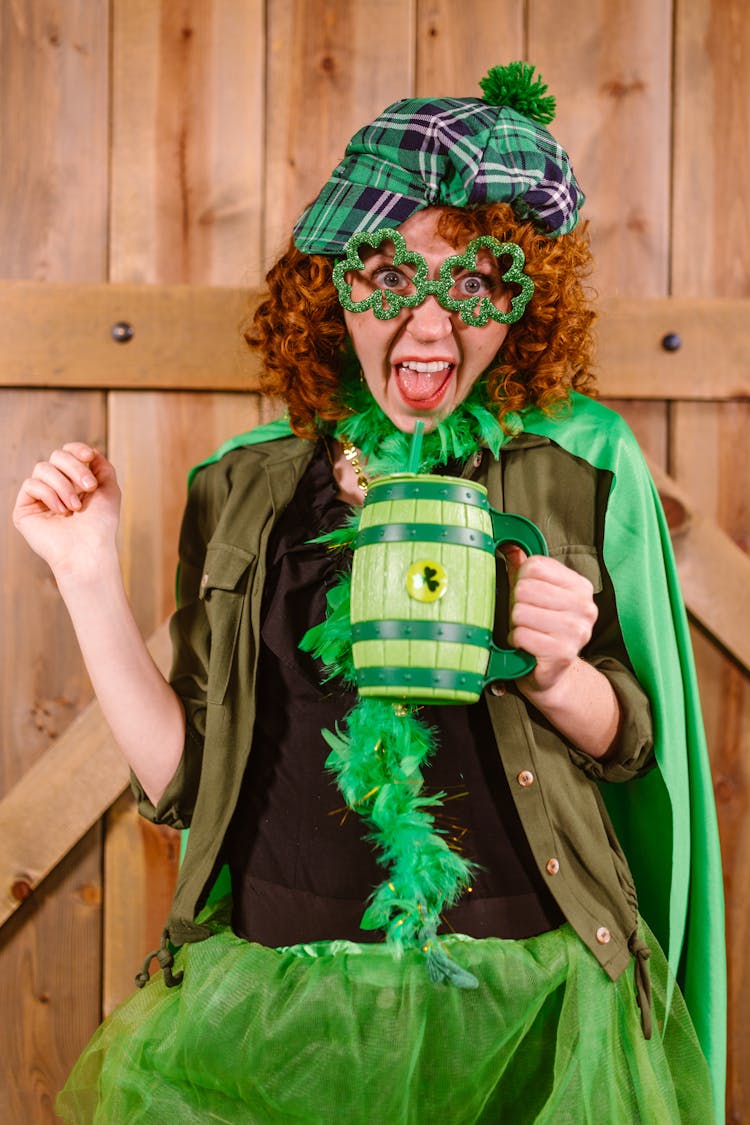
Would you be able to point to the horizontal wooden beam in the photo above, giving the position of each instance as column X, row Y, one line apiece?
column 188, row 337
column 137, row 337
column 56, row 801
column 709, row 342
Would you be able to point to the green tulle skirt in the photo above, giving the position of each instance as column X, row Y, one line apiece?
column 342, row 1033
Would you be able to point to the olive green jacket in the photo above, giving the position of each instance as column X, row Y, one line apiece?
column 569, row 473
column 231, row 508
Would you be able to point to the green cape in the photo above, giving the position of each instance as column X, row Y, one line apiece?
column 665, row 821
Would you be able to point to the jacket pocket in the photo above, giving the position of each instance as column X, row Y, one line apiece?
column 223, row 589
column 583, row 559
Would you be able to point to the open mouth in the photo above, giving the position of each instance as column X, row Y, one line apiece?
column 422, row 384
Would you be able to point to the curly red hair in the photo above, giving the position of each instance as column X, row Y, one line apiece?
column 300, row 331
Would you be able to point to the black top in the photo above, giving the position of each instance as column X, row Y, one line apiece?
column 301, row 870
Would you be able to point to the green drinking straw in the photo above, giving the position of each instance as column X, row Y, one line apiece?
column 415, row 450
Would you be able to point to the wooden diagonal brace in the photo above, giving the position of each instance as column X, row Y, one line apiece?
column 66, row 792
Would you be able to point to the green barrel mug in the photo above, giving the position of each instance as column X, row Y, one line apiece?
column 423, row 590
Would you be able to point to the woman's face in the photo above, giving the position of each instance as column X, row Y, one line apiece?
column 424, row 361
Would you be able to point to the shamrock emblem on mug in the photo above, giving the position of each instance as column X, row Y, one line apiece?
column 426, row 581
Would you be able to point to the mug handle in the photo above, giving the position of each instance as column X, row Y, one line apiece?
column 511, row 663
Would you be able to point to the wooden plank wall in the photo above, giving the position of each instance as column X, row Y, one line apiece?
column 53, row 226
column 165, row 141
column 708, row 442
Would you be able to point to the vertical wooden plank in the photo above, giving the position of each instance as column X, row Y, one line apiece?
column 50, row 952
column 712, row 125
column 188, row 101
column 709, row 440
column 53, row 216
column 140, row 858
column 53, row 124
column 156, row 438
column 49, row 984
column 454, row 52
column 187, row 122
column 43, row 683
column 711, row 461
column 608, row 64
column 332, row 66
column 649, row 422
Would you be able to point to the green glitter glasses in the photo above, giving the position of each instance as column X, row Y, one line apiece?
column 473, row 284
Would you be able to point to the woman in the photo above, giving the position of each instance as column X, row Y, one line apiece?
column 436, row 279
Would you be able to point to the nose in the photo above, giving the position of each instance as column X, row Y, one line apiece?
column 429, row 320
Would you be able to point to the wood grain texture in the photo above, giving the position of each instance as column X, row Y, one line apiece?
column 186, row 208
column 709, row 443
column 714, row 572
column 187, row 122
column 710, row 363
column 138, row 895
column 54, row 115
column 54, row 129
column 711, row 219
column 710, row 459
column 58, row 335
column 43, row 684
column 453, row 54
column 649, row 421
column 609, row 66
column 67, row 790
column 50, row 985
column 154, row 440
column 332, row 65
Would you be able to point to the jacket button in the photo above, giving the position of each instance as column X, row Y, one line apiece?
column 525, row 779
column 204, row 580
column 553, row 866
column 603, row 935
column 497, row 687
column 477, row 458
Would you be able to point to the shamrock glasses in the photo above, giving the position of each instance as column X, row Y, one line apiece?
column 472, row 284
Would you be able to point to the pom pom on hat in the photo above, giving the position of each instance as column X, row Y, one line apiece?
column 514, row 86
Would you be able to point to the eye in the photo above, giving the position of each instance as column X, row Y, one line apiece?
column 473, row 285
column 386, row 277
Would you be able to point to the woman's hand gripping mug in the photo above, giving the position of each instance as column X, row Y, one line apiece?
column 423, row 590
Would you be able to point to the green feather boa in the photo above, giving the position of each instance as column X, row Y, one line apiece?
column 386, row 448
column 378, row 753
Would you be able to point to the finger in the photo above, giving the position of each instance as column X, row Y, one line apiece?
column 102, row 469
column 546, row 595
column 80, row 450
column 61, row 484
column 514, row 557
column 575, row 597
column 568, row 627
column 74, row 469
column 36, row 497
column 544, row 646
column 552, row 570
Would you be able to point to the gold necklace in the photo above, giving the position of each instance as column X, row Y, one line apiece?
column 352, row 455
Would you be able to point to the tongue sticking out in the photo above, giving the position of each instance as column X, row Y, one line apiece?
column 419, row 386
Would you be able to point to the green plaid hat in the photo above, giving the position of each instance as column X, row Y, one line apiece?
column 424, row 152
